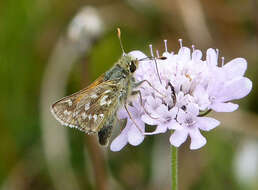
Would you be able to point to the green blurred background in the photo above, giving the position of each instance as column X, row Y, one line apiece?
column 46, row 53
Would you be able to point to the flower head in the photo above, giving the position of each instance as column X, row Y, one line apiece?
column 180, row 90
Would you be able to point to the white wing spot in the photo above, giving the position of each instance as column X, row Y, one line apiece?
column 67, row 112
column 107, row 91
column 84, row 115
column 94, row 96
column 70, row 103
column 103, row 100
column 101, row 115
column 109, row 102
column 75, row 113
column 95, row 117
column 87, row 106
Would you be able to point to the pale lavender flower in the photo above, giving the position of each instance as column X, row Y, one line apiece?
column 191, row 125
column 188, row 87
column 130, row 134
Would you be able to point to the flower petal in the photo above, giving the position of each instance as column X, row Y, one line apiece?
column 224, row 107
column 211, row 57
column 135, row 137
column 192, row 109
column 119, row 142
column 197, row 140
column 178, row 137
column 181, row 115
column 150, row 121
column 137, row 54
column 235, row 89
column 174, row 125
column 121, row 113
column 235, row 68
column 184, row 54
column 207, row 123
column 196, row 55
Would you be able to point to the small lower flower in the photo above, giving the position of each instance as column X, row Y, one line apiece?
column 131, row 133
column 191, row 125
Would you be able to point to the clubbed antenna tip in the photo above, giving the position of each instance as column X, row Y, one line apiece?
column 119, row 37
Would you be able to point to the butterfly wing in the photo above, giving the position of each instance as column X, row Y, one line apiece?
column 88, row 109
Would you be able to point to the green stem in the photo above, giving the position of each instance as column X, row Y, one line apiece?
column 174, row 167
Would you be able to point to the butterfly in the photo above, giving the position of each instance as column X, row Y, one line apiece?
column 93, row 109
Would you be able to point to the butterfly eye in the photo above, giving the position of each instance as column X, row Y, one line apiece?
column 132, row 66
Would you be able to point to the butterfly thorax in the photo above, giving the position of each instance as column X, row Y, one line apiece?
column 120, row 70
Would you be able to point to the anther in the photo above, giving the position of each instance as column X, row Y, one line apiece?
column 193, row 47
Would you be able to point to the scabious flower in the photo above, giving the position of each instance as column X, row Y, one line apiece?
column 182, row 89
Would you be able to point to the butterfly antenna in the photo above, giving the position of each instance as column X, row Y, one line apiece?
column 119, row 37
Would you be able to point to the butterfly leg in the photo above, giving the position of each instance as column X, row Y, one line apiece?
column 141, row 102
column 130, row 116
column 146, row 81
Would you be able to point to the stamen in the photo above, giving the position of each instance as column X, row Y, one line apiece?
column 157, row 53
column 151, row 50
column 181, row 43
column 166, row 45
column 217, row 50
column 193, row 47
column 152, row 55
column 222, row 61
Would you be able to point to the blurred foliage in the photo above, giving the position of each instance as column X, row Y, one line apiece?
column 29, row 30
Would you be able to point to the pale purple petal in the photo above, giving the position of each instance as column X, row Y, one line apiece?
column 120, row 141
column 135, row 137
column 197, row 140
column 235, row 89
column 224, row 107
column 178, row 137
column 181, row 116
column 211, row 57
column 121, row 113
column 184, row 54
column 196, row 55
column 201, row 97
column 235, row 68
column 150, row 121
column 207, row 123
column 137, row 54
column 192, row 109
column 174, row 125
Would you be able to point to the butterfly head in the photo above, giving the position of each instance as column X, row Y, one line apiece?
column 129, row 63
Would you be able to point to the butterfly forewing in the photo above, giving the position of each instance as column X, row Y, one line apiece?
column 89, row 108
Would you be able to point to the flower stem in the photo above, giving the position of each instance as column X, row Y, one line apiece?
column 174, row 167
